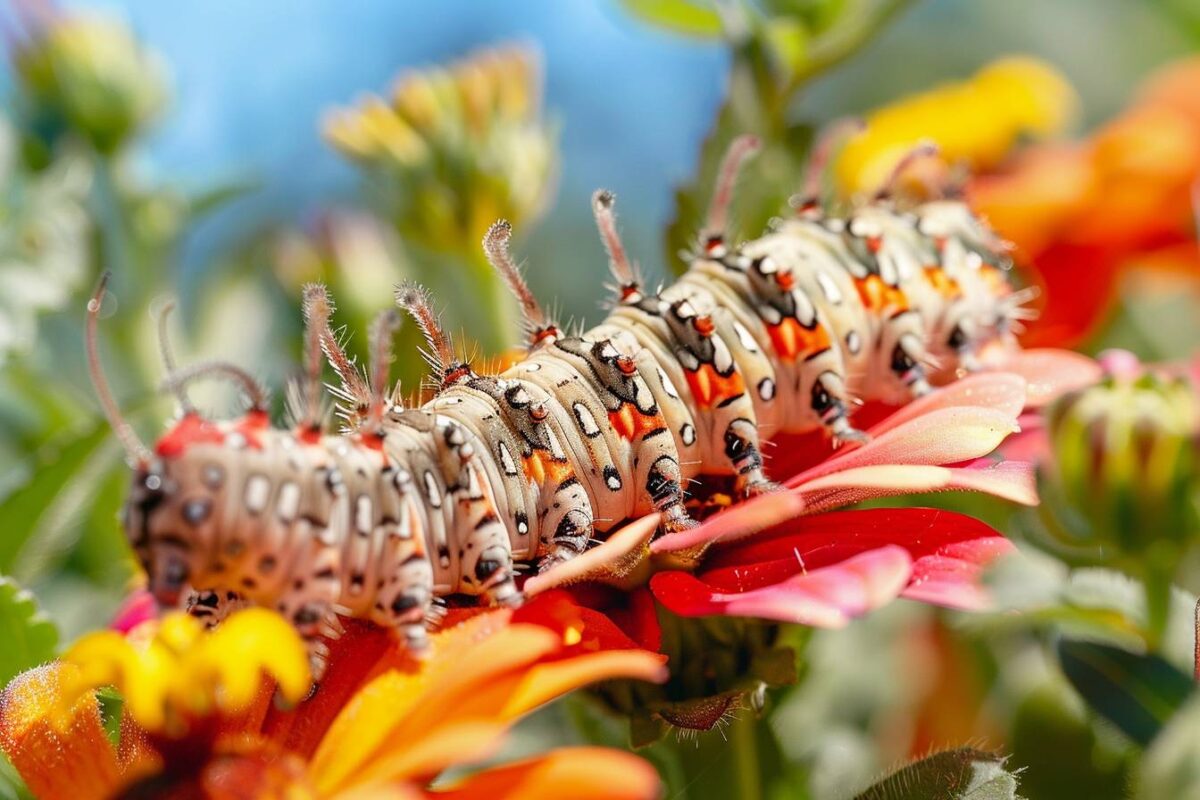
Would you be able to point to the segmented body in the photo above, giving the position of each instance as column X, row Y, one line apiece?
column 776, row 335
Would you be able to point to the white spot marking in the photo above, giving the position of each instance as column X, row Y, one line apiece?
column 744, row 337
column 587, row 423
column 506, row 460
column 364, row 520
column 832, row 293
column 688, row 434
column 258, row 489
column 853, row 342
column 431, row 489
column 288, row 505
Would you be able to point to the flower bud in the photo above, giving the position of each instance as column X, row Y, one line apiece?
column 87, row 74
column 1123, row 477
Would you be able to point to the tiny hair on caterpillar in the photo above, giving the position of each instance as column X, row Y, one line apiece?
column 410, row 503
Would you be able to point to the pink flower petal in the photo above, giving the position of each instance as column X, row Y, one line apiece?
column 826, row 598
column 1051, row 372
column 1003, row 391
column 137, row 608
column 942, row 436
column 1008, row 480
column 951, row 578
column 738, row 521
column 597, row 563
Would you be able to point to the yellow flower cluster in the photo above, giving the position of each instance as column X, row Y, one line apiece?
column 181, row 672
column 975, row 122
column 455, row 148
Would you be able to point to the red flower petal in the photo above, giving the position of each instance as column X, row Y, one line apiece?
column 948, row 551
column 826, row 598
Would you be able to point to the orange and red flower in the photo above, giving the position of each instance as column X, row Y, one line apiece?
column 199, row 720
column 1080, row 213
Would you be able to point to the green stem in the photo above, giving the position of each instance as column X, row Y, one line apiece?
column 1157, row 588
column 743, row 739
column 498, row 331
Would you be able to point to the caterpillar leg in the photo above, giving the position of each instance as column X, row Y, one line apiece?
column 405, row 601
column 485, row 555
column 663, row 482
column 570, row 538
column 742, row 450
column 309, row 604
column 211, row 606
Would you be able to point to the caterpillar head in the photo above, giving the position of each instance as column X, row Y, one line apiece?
column 977, row 261
column 174, row 515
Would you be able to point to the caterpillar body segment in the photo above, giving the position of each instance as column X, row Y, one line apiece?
column 530, row 466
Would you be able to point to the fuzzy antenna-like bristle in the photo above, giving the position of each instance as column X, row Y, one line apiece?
column 177, row 381
column 739, row 150
column 833, row 134
column 137, row 452
column 495, row 246
column 415, row 299
column 168, row 356
column 382, row 330
column 629, row 279
column 923, row 149
column 318, row 309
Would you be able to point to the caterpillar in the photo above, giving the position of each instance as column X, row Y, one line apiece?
column 410, row 503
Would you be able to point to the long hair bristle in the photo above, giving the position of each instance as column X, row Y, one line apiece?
column 416, row 300
column 384, row 327
column 177, row 381
column 318, row 309
column 924, row 149
column 603, row 207
column 739, row 150
column 827, row 141
column 134, row 448
column 495, row 247
column 168, row 356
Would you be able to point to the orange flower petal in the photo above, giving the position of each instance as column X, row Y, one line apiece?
column 67, row 761
column 423, row 759
column 399, row 707
column 581, row 773
column 545, row 682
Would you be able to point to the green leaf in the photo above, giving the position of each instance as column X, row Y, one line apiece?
column 51, row 487
column 1171, row 766
column 11, row 785
column 962, row 774
column 1137, row 693
column 1057, row 749
column 680, row 16
column 29, row 637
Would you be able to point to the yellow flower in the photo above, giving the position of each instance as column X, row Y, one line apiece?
column 199, row 716
column 974, row 122
column 182, row 673
column 454, row 148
